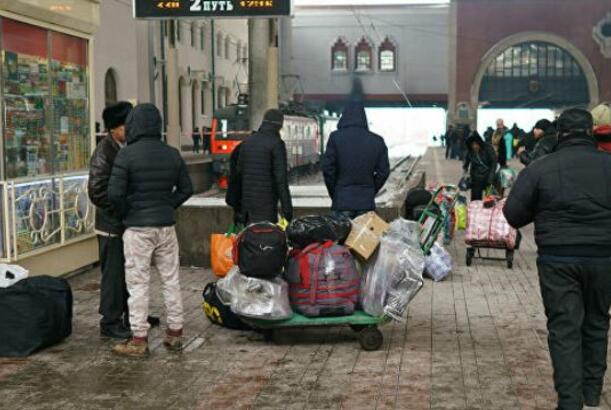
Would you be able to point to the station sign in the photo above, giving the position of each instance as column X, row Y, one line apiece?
column 190, row 9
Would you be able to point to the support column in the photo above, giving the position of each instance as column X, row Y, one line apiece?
column 263, row 68
column 173, row 120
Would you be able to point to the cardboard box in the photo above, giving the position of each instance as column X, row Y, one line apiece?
column 367, row 231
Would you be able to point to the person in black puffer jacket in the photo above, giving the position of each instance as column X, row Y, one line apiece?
column 108, row 225
column 262, row 166
column 547, row 139
column 355, row 164
column 149, row 181
column 567, row 194
column 480, row 162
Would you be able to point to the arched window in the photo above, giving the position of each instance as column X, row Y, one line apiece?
column 534, row 74
column 219, row 44
column 220, row 97
column 339, row 56
column 364, row 54
column 388, row 56
column 178, row 26
column 110, row 87
column 228, row 48
column 194, row 101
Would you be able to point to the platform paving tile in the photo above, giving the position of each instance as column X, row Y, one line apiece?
column 474, row 341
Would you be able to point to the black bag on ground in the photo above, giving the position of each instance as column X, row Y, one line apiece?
column 261, row 250
column 416, row 202
column 34, row 313
column 219, row 313
column 308, row 230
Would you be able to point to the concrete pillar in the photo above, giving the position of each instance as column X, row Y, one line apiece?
column 262, row 68
column 173, row 120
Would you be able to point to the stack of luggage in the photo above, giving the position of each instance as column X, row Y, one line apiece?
column 320, row 275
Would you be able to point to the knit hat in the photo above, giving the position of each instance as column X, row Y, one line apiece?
column 275, row 117
column 543, row 125
column 115, row 115
column 602, row 115
column 575, row 121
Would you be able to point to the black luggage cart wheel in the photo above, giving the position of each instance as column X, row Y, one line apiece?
column 470, row 255
column 268, row 335
column 510, row 259
column 371, row 338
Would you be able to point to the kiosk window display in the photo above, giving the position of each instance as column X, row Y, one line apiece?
column 46, row 103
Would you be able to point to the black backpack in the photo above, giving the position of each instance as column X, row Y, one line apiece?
column 34, row 313
column 219, row 313
column 261, row 250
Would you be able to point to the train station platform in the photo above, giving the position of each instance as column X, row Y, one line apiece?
column 474, row 341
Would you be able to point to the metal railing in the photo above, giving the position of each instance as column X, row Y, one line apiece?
column 42, row 214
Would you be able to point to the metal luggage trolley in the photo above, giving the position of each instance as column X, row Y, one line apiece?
column 475, row 248
column 474, row 251
column 436, row 215
column 366, row 326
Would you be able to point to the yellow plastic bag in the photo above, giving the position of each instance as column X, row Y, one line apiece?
column 461, row 216
column 283, row 224
column 221, row 252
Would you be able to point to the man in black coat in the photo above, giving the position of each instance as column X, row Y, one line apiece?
column 108, row 225
column 263, row 168
column 546, row 136
column 355, row 164
column 567, row 194
column 149, row 181
column 480, row 163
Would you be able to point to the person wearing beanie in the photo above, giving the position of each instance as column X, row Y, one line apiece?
column 602, row 126
column 545, row 135
column 567, row 194
column 108, row 225
column 262, row 168
column 480, row 164
column 149, row 182
column 355, row 164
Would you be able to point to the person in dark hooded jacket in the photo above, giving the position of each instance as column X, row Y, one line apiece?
column 149, row 181
column 547, row 139
column 567, row 194
column 263, row 169
column 355, row 164
column 480, row 162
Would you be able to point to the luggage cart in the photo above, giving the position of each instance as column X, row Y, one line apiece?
column 366, row 326
column 476, row 248
column 436, row 215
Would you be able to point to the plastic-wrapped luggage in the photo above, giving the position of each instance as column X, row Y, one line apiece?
column 438, row 264
column 308, row 230
column 34, row 313
column 260, row 251
column 323, row 280
column 507, row 177
column 218, row 311
column 488, row 226
column 257, row 298
column 394, row 276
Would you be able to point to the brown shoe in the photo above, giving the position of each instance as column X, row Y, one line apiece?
column 134, row 347
column 173, row 340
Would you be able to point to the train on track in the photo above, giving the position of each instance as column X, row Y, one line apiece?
column 305, row 136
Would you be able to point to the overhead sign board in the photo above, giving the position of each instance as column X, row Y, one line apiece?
column 189, row 9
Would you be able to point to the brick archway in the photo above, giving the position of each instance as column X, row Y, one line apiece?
column 524, row 37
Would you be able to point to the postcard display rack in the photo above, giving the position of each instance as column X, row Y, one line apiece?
column 45, row 128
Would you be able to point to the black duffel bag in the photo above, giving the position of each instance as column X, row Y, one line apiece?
column 219, row 313
column 260, row 251
column 305, row 231
column 34, row 313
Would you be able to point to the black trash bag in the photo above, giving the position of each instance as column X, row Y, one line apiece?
column 305, row 231
column 34, row 313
